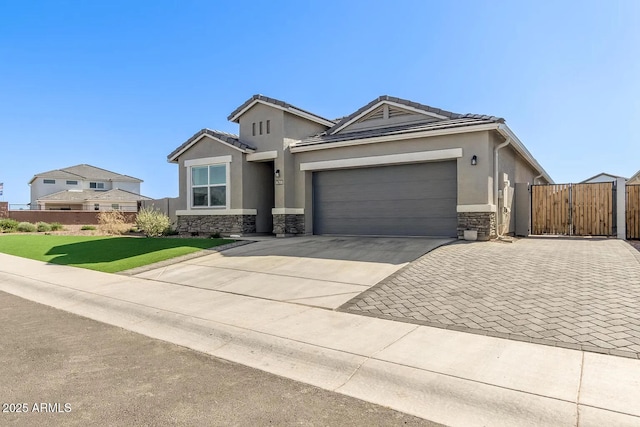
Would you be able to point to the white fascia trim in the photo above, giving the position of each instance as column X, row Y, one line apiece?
column 395, row 104
column 294, row 111
column 287, row 211
column 522, row 150
column 217, row 212
column 207, row 161
column 476, row 208
column 259, row 157
column 403, row 136
column 179, row 153
column 415, row 157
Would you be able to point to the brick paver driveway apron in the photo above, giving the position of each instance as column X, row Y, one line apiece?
column 569, row 292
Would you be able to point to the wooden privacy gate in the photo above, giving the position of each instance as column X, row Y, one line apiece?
column 573, row 209
column 633, row 211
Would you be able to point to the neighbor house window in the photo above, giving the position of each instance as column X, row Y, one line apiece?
column 260, row 128
column 253, row 128
column 96, row 207
column 72, row 182
column 268, row 126
column 209, row 186
column 49, row 181
column 115, row 207
column 96, row 185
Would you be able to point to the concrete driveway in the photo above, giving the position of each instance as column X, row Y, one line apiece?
column 317, row 270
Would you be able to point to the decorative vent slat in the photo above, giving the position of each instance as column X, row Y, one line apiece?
column 394, row 112
column 377, row 114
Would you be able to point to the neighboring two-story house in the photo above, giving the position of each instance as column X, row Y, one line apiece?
column 84, row 187
column 393, row 167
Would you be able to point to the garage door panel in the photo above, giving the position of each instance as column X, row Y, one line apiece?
column 415, row 199
column 371, row 208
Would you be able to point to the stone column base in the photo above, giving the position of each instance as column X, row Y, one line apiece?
column 483, row 222
column 212, row 224
column 288, row 224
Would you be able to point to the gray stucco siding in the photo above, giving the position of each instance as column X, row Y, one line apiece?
column 204, row 148
column 474, row 183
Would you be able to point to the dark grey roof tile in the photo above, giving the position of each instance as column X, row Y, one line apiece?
column 229, row 138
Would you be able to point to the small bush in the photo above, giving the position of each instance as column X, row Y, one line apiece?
column 215, row 235
column 8, row 225
column 26, row 227
column 43, row 226
column 112, row 222
column 152, row 223
column 56, row 226
column 87, row 227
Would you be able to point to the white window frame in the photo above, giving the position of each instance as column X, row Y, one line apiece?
column 99, row 185
column 48, row 181
column 209, row 161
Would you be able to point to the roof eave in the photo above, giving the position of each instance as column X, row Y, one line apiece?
column 173, row 157
column 235, row 117
column 506, row 132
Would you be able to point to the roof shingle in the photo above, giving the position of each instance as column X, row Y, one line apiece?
column 228, row 138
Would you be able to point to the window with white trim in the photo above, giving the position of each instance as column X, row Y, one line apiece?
column 209, row 186
column 96, row 185
column 49, row 181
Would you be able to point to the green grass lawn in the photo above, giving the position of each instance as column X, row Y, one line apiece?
column 108, row 254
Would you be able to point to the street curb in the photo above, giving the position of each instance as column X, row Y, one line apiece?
column 400, row 387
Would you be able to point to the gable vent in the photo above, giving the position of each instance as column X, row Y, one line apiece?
column 374, row 115
column 395, row 112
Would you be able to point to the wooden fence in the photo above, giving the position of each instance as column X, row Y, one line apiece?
column 573, row 209
column 633, row 211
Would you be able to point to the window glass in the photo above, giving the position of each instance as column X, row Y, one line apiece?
column 217, row 174
column 72, row 182
column 199, row 176
column 218, row 195
column 200, row 196
column 49, row 181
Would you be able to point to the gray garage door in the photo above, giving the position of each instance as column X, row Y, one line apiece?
column 404, row 200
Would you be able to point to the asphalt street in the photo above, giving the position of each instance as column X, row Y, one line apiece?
column 62, row 369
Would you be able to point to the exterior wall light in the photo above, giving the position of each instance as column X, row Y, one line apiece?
column 474, row 160
column 277, row 173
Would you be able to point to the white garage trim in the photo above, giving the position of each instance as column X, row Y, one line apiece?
column 216, row 212
column 476, row 208
column 287, row 211
column 391, row 159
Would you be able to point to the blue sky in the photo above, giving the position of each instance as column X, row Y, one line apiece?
column 120, row 84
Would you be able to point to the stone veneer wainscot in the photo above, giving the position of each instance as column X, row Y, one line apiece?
column 223, row 224
column 483, row 222
column 284, row 224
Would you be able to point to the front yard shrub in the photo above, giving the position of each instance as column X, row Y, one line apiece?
column 112, row 222
column 43, row 226
column 56, row 226
column 26, row 227
column 87, row 227
column 8, row 225
column 152, row 223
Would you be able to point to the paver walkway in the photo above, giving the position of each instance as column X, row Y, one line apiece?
column 574, row 293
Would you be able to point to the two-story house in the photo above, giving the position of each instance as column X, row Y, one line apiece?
column 393, row 167
column 84, row 187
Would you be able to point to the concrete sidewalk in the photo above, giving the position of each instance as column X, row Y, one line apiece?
column 445, row 376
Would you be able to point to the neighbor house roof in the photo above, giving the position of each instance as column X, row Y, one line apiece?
column 85, row 172
column 90, row 195
column 261, row 99
column 420, row 108
column 635, row 176
column 224, row 137
column 602, row 174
